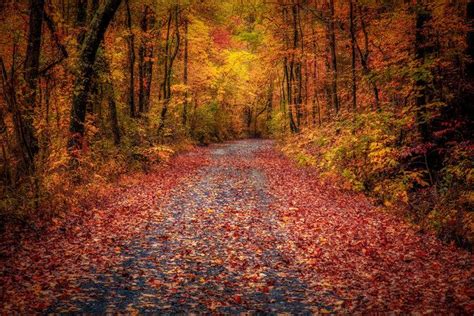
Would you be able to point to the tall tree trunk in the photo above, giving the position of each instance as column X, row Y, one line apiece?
column 9, row 96
column 94, row 5
column 81, row 19
column 141, row 60
column 164, row 85
column 468, row 93
column 113, row 118
column 114, row 125
column 470, row 39
column 298, row 87
column 421, row 53
column 33, row 51
column 364, row 59
column 353, row 55
column 145, row 55
column 316, row 105
column 185, row 73
column 95, row 100
column 303, row 61
column 82, row 83
column 131, row 62
column 148, row 70
column 288, row 75
column 170, row 56
column 333, row 62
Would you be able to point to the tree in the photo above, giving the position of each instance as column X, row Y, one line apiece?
column 364, row 58
column 145, row 56
column 171, row 51
column 422, row 49
column 81, row 19
column 82, row 83
column 468, row 93
column 185, row 72
column 352, row 33
column 131, row 61
column 114, row 125
column 331, row 34
column 289, row 66
column 29, row 143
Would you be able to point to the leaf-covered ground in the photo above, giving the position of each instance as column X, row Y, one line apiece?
column 230, row 229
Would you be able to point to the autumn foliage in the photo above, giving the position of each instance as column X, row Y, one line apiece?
column 392, row 115
column 372, row 97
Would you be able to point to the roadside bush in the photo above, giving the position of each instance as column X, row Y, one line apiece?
column 379, row 153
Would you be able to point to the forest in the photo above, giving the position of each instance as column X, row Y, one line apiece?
column 344, row 126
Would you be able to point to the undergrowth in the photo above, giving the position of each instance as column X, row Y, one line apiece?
column 379, row 153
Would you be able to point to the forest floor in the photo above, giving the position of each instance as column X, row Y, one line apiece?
column 235, row 228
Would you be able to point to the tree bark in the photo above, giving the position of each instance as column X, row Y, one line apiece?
column 316, row 106
column 364, row 60
column 468, row 93
column 288, row 73
column 81, row 19
column 9, row 95
column 185, row 73
column 470, row 39
column 94, row 5
column 333, row 63
column 297, row 38
column 131, row 62
column 114, row 124
column 33, row 51
column 82, row 83
column 353, row 55
column 170, row 56
column 145, row 63
column 421, row 53
column 114, row 119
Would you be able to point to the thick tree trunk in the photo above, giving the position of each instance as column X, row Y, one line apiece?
column 470, row 39
column 145, row 60
column 81, row 19
column 170, row 56
column 114, row 119
column 94, row 5
column 421, row 53
column 82, row 83
column 288, row 74
column 9, row 95
column 84, row 15
column 29, row 142
column 114, row 125
column 468, row 98
column 164, row 85
column 107, row 90
column 131, row 62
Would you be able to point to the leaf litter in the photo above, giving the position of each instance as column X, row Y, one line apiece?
column 236, row 228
